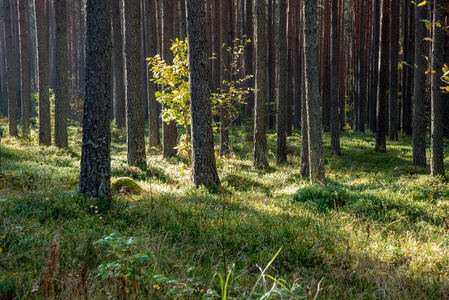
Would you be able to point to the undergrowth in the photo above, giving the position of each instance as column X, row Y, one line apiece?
column 378, row 229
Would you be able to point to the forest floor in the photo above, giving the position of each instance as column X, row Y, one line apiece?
column 378, row 229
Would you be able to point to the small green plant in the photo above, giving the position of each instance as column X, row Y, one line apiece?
column 126, row 267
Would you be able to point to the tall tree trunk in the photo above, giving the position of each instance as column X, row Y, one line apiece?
column 61, row 88
column 335, row 123
column 10, row 70
column 260, row 139
column 316, row 161
column 95, row 159
column 204, row 170
column 16, row 54
column 169, row 132
column 216, row 47
column 394, row 80
column 282, row 85
column 226, row 41
column 419, row 97
column 23, row 4
column 44, row 84
column 151, row 40
column 375, row 65
column 304, row 167
column 117, row 59
column 436, row 146
column 134, row 117
column 249, row 61
column 271, row 65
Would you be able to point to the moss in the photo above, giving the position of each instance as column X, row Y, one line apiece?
column 125, row 185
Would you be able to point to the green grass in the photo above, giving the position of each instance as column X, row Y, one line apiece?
column 378, row 229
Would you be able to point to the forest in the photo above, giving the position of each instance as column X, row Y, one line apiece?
column 233, row 149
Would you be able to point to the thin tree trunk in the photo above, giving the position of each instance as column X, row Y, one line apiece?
column 260, row 139
column 117, row 59
column 394, row 74
column 436, row 146
column 282, row 85
column 44, row 84
column 419, row 105
column 61, row 88
column 23, row 4
column 316, row 161
column 134, row 117
column 335, row 123
column 10, row 71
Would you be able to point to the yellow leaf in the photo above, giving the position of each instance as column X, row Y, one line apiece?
column 3, row 236
column 1, row 250
column 447, row 89
column 16, row 273
column 422, row 3
column 427, row 72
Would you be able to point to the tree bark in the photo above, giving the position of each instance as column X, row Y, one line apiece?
column 436, row 146
column 117, row 60
column 10, row 70
column 260, row 160
column 169, row 131
column 95, row 159
column 61, row 88
column 44, row 84
column 419, row 97
column 134, row 117
column 23, row 4
column 204, row 170
column 249, row 61
column 381, row 116
column 394, row 75
column 282, row 85
column 316, row 161
column 151, row 40
column 335, row 122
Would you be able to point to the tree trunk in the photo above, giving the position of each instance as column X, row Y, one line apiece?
column 260, row 160
column 44, row 84
column 226, row 58
column 375, row 65
column 436, row 146
column 10, row 70
column 419, row 105
column 61, row 88
column 381, row 122
column 95, row 160
column 249, row 61
column 117, row 59
column 335, row 122
column 23, row 11
column 271, row 65
column 134, row 116
column 151, row 40
column 204, row 170
column 304, row 167
column 394, row 75
column 169, row 132
column 282, row 85
column 316, row 161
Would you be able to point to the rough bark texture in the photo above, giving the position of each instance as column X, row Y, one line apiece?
column 249, row 61
column 24, row 53
column 271, row 80
column 304, row 168
column 117, row 60
column 134, row 119
column 316, row 161
column 375, row 65
column 226, row 58
column 260, row 139
column 436, row 146
column 44, row 84
column 384, row 74
column 335, row 122
column 394, row 75
column 10, row 70
column 282, row 85
column 419, row 97
column 95, row 160
column 169, row 133
column 204, row 170
column 61, row 87
column 151, row 40
column 406, row 70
